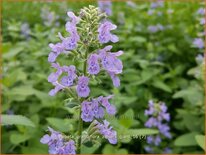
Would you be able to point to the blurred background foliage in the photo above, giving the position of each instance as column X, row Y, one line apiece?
column 162, row 65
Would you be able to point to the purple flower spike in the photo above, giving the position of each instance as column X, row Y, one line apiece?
column 107, row 132
column 56, row 50
column 93, row 64
column 104, row 32
column 157, row 116
column 82, row 86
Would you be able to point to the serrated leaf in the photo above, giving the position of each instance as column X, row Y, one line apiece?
column 16, row 120
column 200, row 139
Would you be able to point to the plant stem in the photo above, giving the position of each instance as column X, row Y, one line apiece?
column 80, row 126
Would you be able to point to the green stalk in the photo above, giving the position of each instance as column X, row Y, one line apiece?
column 80, row 126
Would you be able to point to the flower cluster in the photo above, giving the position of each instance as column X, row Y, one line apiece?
column 199, row 42
column 106, row 130
column 89, row 30
column 158, row 118
column 57, row 143
column 95, row 108
column 105, row 6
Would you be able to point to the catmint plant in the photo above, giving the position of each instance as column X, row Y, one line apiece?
column 88, row 32
column 158, row 118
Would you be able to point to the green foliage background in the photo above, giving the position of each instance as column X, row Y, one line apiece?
column 159, row 66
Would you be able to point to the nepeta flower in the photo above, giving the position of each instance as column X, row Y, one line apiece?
column 56, row 89
column 56, row 50
column 57, row 144
column 104, row 32
column 155, row 28
column 158, row 117
column 105, row 102
column 68, row 80
column 199, row 43
column 53, row 77
column 82, row 86
column 202, row 21
column 107, row 131
column 93, row 64
column 94, row 109
column 25, row 30
column 201, row 11
column 109, row 60
column 105, row 6
column 111, row 64
column 115, row 79
column 69, row 43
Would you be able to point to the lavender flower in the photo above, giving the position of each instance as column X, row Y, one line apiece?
column 202, row 21
column 104, row 32
column 56, row 89
column 109, row 60
column 157, row 116
column 53, row 77
column 201, row 11
column 57, row 143
column 94, row 109
column 25, row 30
column 56, row 50
column 82, row 86
column 155, row 28
column 105, row 6
column 69, row 80
column 107, row 131
column 199, row 43
column 93, row 64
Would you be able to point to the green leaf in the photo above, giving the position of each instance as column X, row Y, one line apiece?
column 186, row 140
column 159, row 84
column 109, row 149
column 200, row 140
column 16, row 120
column 63, row 125
column 142, row 132
column 17, row 138
column 127, row 118
column 12, row 52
